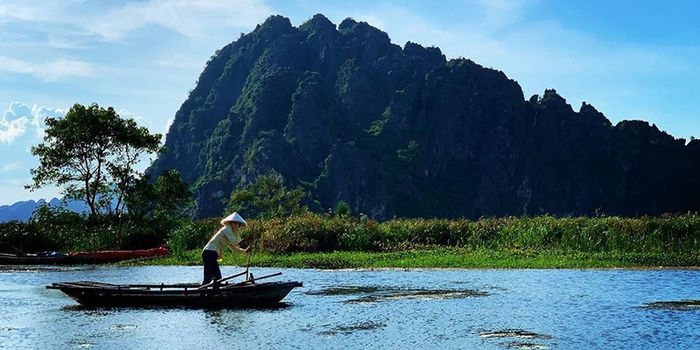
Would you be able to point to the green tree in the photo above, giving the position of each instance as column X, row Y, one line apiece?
column 167, row 198
column 173, row 196
column 267, row 197
column 342, row 208
column 132, row 144
column 140, row 198
column 91, row 153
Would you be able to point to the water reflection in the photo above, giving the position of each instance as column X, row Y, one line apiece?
column 225, row 321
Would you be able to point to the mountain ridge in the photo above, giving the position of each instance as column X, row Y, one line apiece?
column 403, row 131
column 23, row 210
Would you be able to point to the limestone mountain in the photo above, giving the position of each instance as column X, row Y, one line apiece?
column 402, row 131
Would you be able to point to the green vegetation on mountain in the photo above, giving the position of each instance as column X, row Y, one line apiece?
column 345, row 115
column 266, row 198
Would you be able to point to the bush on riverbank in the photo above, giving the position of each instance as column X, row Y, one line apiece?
column 313, row 232
column 191, row 235
column 321, row 233
column 677, row 233
column 668, row 234
column 57, row 230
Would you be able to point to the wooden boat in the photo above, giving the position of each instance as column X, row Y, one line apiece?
column 36, row 259
column 106, row 256
column 224, row 295
column 98, row 257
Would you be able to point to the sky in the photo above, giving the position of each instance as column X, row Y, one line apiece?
column 631, row 59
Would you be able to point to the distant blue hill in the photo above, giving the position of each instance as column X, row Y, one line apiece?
column 22, row 210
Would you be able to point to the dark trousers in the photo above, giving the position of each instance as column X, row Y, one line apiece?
column 211, row 266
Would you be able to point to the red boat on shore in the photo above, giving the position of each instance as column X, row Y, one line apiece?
column 78, row 258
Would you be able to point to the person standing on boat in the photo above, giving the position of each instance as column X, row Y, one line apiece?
column 227, row 236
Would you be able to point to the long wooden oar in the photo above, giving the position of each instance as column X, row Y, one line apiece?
column 241, row 283
column 256, row 279
column 247, row 265
column 223, row 279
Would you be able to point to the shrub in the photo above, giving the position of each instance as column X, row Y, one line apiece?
column 312, row 232
column 191, row 235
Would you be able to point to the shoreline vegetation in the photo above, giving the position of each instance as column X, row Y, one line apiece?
column 324, row 241
column 342, row 242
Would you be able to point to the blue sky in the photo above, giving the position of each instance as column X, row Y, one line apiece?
column 631, row 59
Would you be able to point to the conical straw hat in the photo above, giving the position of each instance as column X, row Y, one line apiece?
column 233, row 218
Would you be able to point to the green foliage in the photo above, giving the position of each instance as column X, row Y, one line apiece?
column 645, row 235
column 407, row 154
column 378, row 125
column 91, row 154
column 542, row 241
column 17, row 237
column 131, row 144
column 267, row 197
column 140, row 199
column 53, row 228
column 342, row 208
column 168, row 199
column 171, row 194
column 192, row 235
column 63, row 228
column 313, row 232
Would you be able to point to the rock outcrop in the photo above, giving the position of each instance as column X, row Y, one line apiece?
column 405, row 132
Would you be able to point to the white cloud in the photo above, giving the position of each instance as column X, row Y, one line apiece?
column 14, row 122
column 191, row 18
column 40, row 113
column 195, row 19
column 11, row 166
column 49, row 71
column 12, row 129
column 19, row 117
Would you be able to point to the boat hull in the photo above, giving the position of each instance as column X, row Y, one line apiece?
column 94, row 294
column 8, row 259
column 83, row 258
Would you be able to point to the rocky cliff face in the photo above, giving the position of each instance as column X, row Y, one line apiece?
column 404, row 132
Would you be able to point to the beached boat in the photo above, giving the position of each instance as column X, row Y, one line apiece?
column 98, row 257
column 40, row 259
column 107, row 256
column 236, row 295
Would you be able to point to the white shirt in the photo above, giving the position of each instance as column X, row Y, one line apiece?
column 222, row 239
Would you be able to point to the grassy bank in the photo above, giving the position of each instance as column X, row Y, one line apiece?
column 317, row 241
column 444, row 258
column 322, row 241
column 672, row 234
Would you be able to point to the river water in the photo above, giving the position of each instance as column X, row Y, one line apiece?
column 392, row 309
